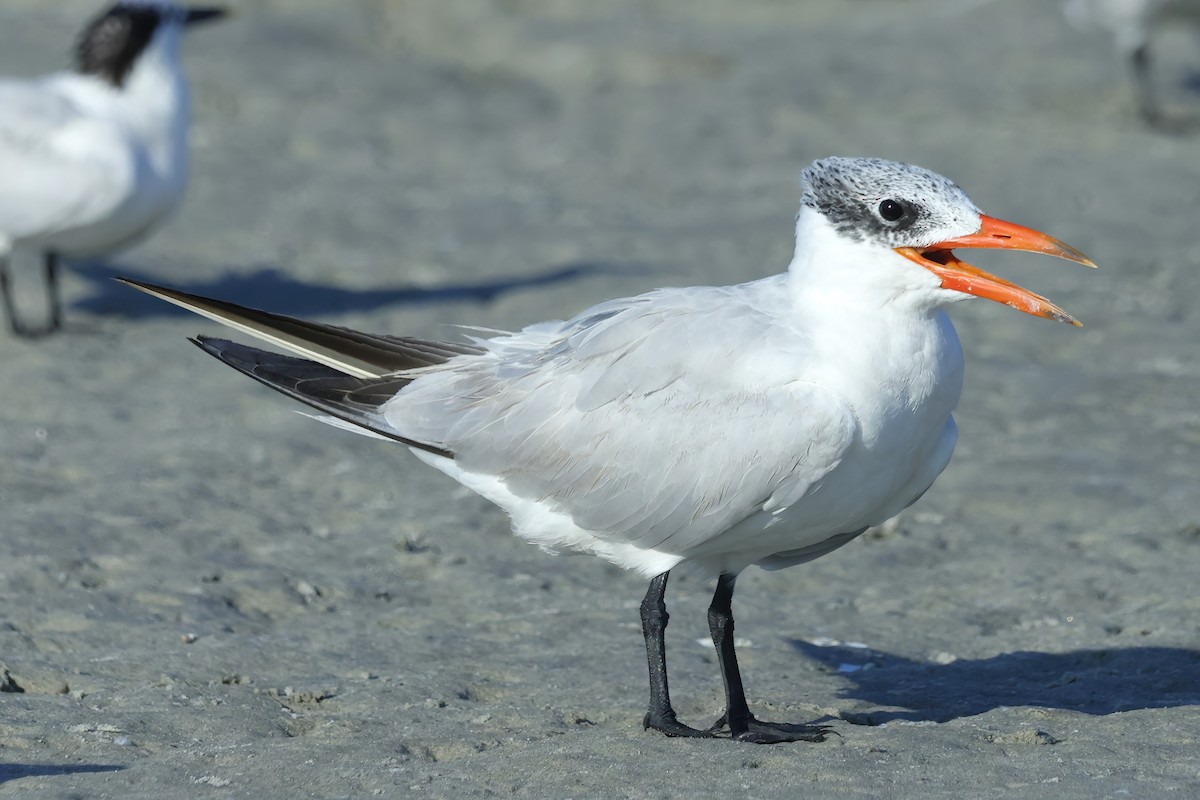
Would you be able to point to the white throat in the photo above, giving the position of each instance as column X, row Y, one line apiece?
column 831, row 271
column 874, row 320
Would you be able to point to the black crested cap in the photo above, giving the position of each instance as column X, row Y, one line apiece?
column 112, row 42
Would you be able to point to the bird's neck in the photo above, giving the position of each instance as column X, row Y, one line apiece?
column 836, row 275
column 875, row 319
column 155, row 100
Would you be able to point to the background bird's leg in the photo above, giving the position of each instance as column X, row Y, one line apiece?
column 742, row 724
column 53, row 297
column 660, row 717
column 50, row 267
column 1143, row 84
column 10, row 305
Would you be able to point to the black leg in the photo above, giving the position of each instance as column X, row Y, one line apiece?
column 720, row 625
column 50, row 267
column 742, row 724
column 10, row 305
column 53, row 298
column 660, row 717
column 1143, row 84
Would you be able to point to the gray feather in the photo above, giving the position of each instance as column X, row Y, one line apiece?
column 355, row 400
column 363, row 355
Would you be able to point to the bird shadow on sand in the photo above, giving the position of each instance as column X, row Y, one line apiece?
column 12, row 772
column 1177, row 123
column 272, row 289
column 1191, row 82
column 1089, row 681
column 1181, row 121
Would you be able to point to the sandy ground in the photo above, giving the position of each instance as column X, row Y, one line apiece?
column 203, row 594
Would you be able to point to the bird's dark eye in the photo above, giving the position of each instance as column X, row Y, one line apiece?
column 890, row 210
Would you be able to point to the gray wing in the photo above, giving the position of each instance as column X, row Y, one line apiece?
column 660, row 421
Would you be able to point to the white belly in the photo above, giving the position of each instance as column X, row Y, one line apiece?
column 143, row 209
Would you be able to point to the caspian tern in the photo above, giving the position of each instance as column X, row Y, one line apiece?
column 92, row 160
column 766, row 423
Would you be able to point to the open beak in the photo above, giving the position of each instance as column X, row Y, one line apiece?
column 197, row 14
column 996, row 233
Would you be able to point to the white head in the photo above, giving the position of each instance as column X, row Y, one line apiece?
column 878, row 206
column 113, row 42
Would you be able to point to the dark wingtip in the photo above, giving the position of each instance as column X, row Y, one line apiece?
column 199, row 14
column 141, row 286
column 217, row 348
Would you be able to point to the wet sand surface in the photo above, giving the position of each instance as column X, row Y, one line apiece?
column 203, row 594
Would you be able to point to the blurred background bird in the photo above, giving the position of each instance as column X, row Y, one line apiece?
column 1132, row 24
column 95, row 158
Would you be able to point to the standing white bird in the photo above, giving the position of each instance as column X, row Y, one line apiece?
column 766, row 423
column 94, row 159
column 1131, row 23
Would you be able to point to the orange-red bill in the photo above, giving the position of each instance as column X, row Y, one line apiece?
column 996, row 233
